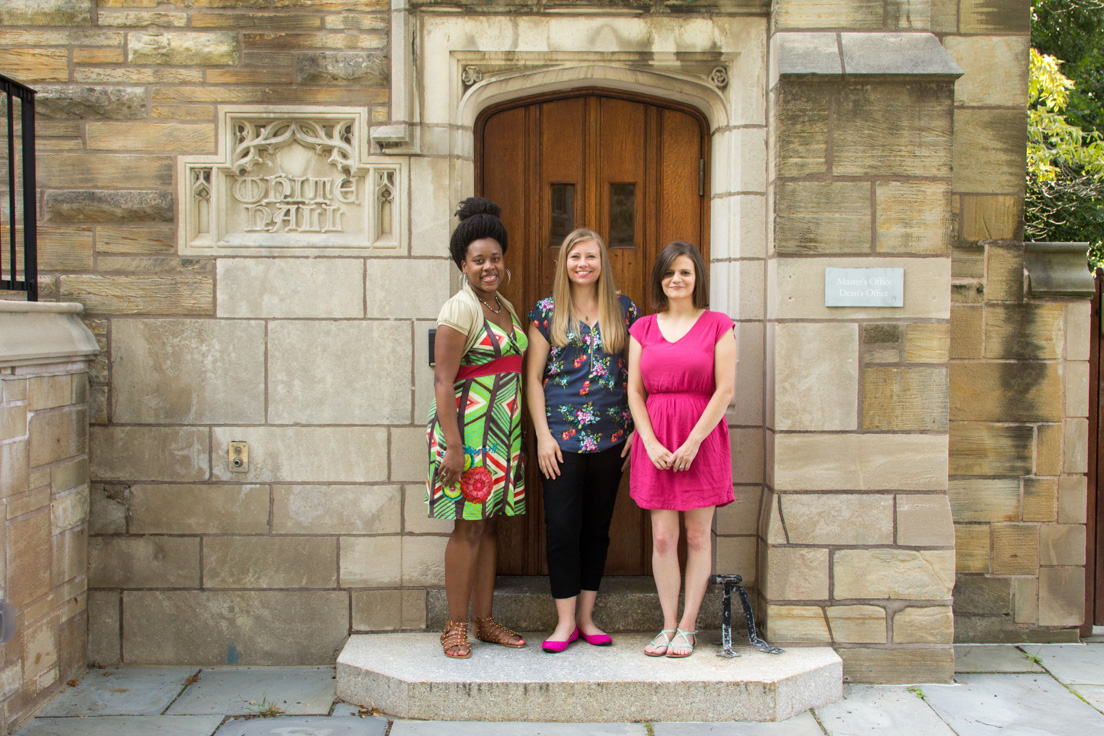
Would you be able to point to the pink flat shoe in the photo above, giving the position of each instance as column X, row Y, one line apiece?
column 555, row 647
column 597, row 640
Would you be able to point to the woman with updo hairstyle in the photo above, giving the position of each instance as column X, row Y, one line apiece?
column 475, row 460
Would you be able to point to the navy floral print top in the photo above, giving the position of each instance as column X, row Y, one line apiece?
column 584, row 386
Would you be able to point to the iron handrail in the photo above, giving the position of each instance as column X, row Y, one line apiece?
column 11, row 90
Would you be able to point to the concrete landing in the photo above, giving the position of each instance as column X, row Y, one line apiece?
column 407, row 676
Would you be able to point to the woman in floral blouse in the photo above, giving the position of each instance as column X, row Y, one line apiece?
column 575, row 381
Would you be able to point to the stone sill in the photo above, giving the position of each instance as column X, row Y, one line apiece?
column 41, row 307
column 874, row 56
column 43, row 332
column 1058, row 270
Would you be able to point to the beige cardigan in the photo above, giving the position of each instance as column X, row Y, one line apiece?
column 463, row 313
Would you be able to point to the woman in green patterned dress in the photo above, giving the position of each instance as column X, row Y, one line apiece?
column 475, row 458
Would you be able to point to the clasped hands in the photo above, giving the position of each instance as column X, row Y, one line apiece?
column 679, row 460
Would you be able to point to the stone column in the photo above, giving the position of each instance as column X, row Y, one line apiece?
column 44, row 354
column 856, row 539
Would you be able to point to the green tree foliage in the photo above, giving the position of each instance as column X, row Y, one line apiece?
column 1065, row 156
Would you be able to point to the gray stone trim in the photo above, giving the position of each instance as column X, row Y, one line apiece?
column 1058, row 269
column 40, row 332
column 915, row 55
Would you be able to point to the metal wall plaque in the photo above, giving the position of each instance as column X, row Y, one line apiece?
column 864, row 287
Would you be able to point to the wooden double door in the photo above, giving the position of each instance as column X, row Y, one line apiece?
column 633, row 169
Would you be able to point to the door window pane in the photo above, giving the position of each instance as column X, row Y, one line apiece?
column 622, row 215
column 563, row 213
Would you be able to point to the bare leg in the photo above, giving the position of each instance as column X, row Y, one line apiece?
column 584, row 613
column 484, row 578
column 699, row 562
column 565, row 611
column 461, row 555
column 665, row 567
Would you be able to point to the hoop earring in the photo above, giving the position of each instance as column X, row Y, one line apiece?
column 509, row 277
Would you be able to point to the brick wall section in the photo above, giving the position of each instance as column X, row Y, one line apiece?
column 43, row 531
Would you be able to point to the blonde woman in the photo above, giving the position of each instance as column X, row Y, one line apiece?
column 576, row 380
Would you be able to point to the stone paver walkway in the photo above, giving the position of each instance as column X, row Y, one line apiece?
column 1026, row 690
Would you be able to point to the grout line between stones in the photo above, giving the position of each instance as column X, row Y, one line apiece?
column 187, row 684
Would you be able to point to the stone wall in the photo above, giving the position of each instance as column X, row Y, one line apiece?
column 43, row 501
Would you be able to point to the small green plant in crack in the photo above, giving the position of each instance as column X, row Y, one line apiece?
column 918, row 692
column 1032, row 658
column 264, row 709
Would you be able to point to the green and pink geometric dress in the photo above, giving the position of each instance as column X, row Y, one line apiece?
column 488, row 409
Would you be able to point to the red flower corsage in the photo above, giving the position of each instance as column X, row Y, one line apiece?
column 476, row 484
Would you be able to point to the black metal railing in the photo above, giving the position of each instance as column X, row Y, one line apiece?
column 18, row 208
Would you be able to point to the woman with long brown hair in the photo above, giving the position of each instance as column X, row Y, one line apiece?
column 575, row 383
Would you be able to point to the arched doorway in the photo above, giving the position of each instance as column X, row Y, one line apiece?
column 632, row 167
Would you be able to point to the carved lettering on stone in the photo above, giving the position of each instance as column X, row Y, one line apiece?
column 296, row 181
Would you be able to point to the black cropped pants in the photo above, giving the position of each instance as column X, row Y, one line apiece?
column 578, row 506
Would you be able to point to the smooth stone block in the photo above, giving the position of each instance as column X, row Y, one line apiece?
column 306, row 726
column 986, row 705
column 992, row 658
column 802, row 725
column 401, row 674
column 870, row 710
column 115, row 692
column 1072, row 663
column 480, row 728
column 242, row 691
column 123, row 726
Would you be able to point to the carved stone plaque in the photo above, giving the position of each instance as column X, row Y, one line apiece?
column 864, row 287
column 294, row 179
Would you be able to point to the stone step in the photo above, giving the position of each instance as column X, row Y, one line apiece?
column 624, row 604
column 407, row 676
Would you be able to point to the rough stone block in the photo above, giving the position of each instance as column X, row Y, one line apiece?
column 104, row 642
column 905, row 398
column 927, row 342
column 987, row 16
column 184, row 48
column 889, row 666
column 68, row 509
column 924, row 521
column 28, row 548
column 251, row 628
column 796, row 574
column 858, row 462
column 798, row 624
column 737, row 555
column 336, row 509
column 36, row 65
column 989, row 147
column 1062, row 544
column 977, row 448
column 966, row 332
column 850, row 14
column 272, row 288
column 1075, row 446
column 857, row 624
column 816, row 376
column 984, row 499
column 69, row 557
column 838, row 518
column 373, row 562
column 223, row 360
column 1015, row 549
column 968, row 292
column 822, row 217
column 311, row 362
column 171, row 294
column 873, row 138
column 1078, row 330
column 377, row 610
column 909, row 14
column 269, row 562
column 967, row 260
column 1072, row 499
column 371, row 69
column 143, row 562
column 1006, row 392
column 46, row 13
column 414, row 609
column 305, row 454
column 740, row 517
column 108, row 508
column 971, row 548
column 1076, row 380
column 150, row 453
column 926, row 625
column 416, row 517
column 803, row 128
column 28, row 502
column 995, row 69
column 13, row 389
column 432, row 276
column 156, row 136
column 991, row 216
column 1040, row 499
column 13, row 468
column 140, row 19
column 893, row 573
column 1005, row 272
column 95, row 206
column 142, row 240
column 409, row 453
column 13, row 421
column 983, row 596
column 423, row 561
column 47, row 392
column 1024, row 331
column 913, row 217
column 104, row 170
column 1061, row 596
column 748, row 458
column 202, row 509
column 57, row 435
column 40, row 649
column 1048, row 449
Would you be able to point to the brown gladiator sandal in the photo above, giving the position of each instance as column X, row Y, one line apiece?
column 454, row 640
column 487, row 629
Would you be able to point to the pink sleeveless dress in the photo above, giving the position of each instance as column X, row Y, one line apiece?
column 679, row 378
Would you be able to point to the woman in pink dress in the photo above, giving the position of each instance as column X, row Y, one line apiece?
column 682, row 376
